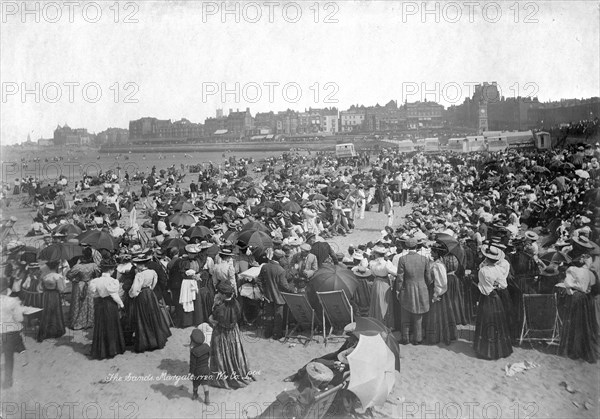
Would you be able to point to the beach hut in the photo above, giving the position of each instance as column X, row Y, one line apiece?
column 406, row 146
column 432, row 145
column 543, row 140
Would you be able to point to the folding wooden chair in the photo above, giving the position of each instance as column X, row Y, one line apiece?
column 338, row 310
column 541, row 321
column 305, row 317
column 7, row 231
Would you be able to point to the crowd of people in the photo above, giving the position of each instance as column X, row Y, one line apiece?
column 465, row 255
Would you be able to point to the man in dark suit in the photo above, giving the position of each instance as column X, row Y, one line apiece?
column 414, row 275
column 272, row 281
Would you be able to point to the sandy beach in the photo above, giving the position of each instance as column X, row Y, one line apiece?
column 434, row 382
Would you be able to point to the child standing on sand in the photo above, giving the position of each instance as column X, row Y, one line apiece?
column 199, row 367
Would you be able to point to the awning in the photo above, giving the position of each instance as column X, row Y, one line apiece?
column 220, row 132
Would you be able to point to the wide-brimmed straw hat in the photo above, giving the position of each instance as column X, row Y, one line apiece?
column 318, row 373
column 361, row 271
column 225, row 253
column 550, row 270
column 192, row 248
column 582, row 241
column 491, row 252
column 141, row 259
column 531, row 235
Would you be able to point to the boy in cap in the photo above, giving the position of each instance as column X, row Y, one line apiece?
column 199, row 364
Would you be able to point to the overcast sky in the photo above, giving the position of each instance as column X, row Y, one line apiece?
column 172, row 60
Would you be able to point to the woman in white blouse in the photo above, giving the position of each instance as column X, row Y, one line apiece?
column 151, row 330
column 579, row 333
column 492, row 330
column 381, row 306
column 108, row 340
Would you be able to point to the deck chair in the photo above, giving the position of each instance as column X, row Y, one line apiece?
column 338, row 310
column 541, row 321
column 7, row 231
column 305, row 317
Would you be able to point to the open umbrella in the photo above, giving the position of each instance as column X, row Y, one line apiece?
column 198, row 231
column 233, row 200
column 555, row 257
column 582, row 174
column 317, row 197
column 540, row 169
column 593, row 196
column 67, row 229
column 60, row 251
column 255, row 238
column 291, row 206
column 372, row 326
column 257, row 190
column 183, row 219
column 453, row 246
column 183, row 206
column 257, row 226
column 567, row 166
column 266, row 211
column 372, row 366
column 85, row 207
column 174, row 242
column 106, row 209
column 98, row 239
column 333, row 278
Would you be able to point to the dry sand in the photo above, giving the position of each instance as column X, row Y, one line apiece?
column 435, row 381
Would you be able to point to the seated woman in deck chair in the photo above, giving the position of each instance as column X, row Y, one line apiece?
column 295, row 403
column 335, row 361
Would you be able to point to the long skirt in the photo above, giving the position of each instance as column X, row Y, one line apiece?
column 228, row 364
column 32, row 298
column 579, row 332
column 150, row 327
column 108, row 339
column 183, row 318
column 509, row 312
column 52, row 324
column 456, row 299
column 203, row 305
column 381, row 307
column 492, row 334
column 81, row 313
column 439, row 324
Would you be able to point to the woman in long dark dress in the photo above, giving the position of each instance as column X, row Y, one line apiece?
column 492, row 331
column 108, row 339
column 206, row 295
column 81, row 313
column 228, row 362
column 31, row 289
column 579, row 334
column 125, row 273
column 52, row 324
column 455, row 293
column 151, row 330
column 439, row 322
